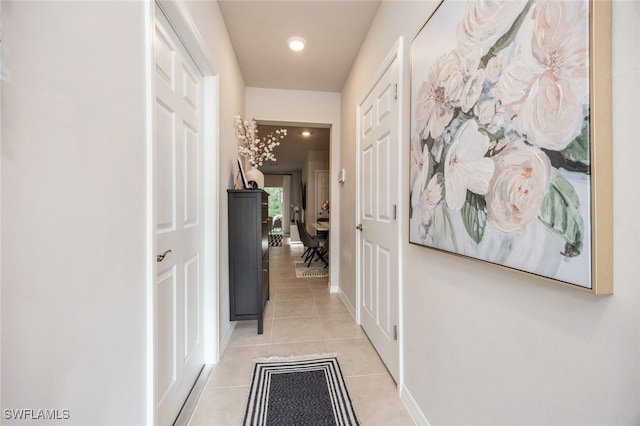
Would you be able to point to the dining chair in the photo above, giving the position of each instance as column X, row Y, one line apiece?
column 314, row 246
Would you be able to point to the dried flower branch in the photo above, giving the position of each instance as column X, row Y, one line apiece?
column 254, row 149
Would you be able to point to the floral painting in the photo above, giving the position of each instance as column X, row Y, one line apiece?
column 500, row 135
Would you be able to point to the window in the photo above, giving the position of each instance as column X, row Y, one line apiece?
column 275, row 207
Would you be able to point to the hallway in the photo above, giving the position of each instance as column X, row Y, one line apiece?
column 302, row 317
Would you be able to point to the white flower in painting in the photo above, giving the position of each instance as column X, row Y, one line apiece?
column 494, row 68
column 419, row 171
column 547, row 85
column 552, row 115
column 466, row 167
column 502, row 120
column 433, row 195
column 423, row 231
column 439, row 95
column 472, row 89
column 485, row 111
column 484, row 22
column 473, row 78
column 514, row 83
column 428, row 202
column 518, row 187
column 453, row 81
column 561, row 42
column 417, row 160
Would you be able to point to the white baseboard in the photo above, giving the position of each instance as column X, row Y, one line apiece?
column 412, row 407
column 226, row 336
column 347, row 303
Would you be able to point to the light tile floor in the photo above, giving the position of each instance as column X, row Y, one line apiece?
column 301, row 317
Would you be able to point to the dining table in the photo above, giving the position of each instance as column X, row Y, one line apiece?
column 321, row 227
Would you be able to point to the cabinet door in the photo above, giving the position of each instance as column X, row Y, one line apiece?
column 245, row 255
column 265, row 251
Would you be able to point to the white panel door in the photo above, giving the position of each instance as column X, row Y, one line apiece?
column 179, row 223
column 378, row 251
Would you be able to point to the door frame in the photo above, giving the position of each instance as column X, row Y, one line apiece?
column 187, row 31
column 396, row 52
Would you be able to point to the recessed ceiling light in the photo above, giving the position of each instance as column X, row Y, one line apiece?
column 306, row 133
column 296, row 43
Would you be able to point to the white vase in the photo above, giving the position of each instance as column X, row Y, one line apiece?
column 253, row 174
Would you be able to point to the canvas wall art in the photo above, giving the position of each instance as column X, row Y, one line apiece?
column 503, row 138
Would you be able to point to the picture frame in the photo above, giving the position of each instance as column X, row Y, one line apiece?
column 245, row 183
column 510, row 145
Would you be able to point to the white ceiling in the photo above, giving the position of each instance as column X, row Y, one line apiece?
column 334, row 31
column 293, row 150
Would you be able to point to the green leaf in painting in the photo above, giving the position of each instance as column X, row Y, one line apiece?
column 509, row 36
column 560, row 212
column 474, row 216
column 578, row 149
column 448, row 225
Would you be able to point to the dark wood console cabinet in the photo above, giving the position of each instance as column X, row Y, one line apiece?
column 248, row 254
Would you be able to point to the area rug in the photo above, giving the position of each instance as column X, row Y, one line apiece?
column 307, row 390
column 275, row 240
column 315, row 270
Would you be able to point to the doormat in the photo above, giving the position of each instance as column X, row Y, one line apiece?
column 315, row 270
column 307, row 390
column 275, row 240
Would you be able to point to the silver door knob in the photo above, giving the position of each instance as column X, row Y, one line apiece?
column 359, row 227
column 160, row 257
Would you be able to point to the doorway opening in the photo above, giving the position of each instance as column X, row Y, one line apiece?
column 276, row 215
column 276, row 207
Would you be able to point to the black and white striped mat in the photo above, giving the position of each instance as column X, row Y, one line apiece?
column 299, row 391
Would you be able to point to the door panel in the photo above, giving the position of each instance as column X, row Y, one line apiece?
column 192, row 298
column 164, row 57
column 383, row 171
column 179, row 228
column 385, row 287
column 166, row 350
column 367, row 121
column 165, row 152
column 378, row 188
column 190, row 87
column 367, row 277
column 191, row 172
column 367, row 183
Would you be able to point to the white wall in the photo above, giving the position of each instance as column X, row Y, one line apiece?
column 73, row 210
column 74, row 218
column 486, row 346
column 296, row 106
column 316, row 160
